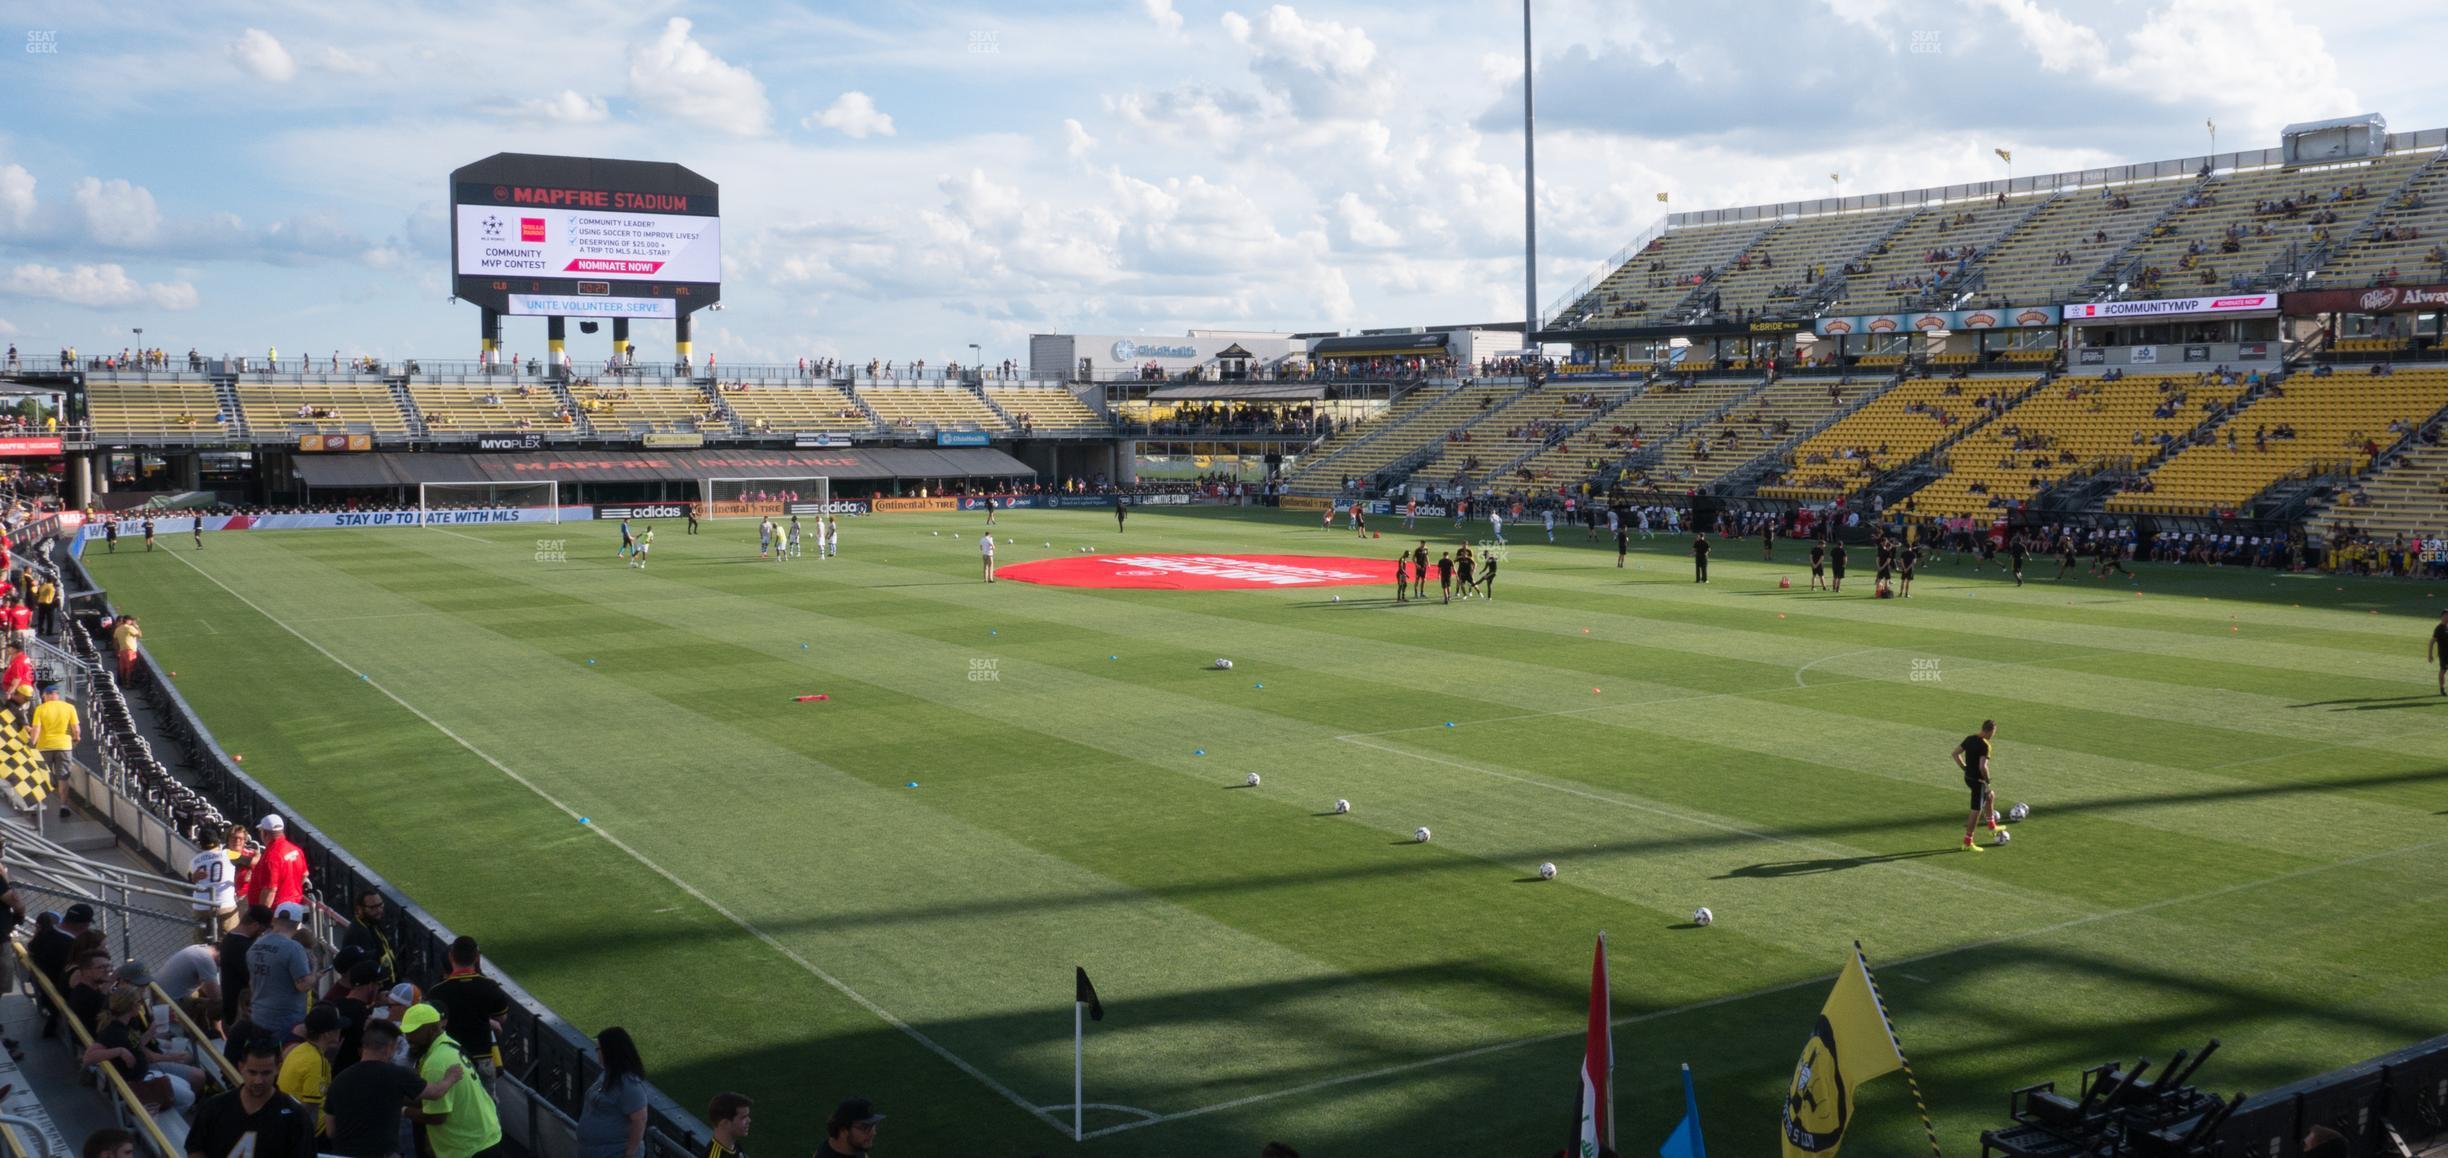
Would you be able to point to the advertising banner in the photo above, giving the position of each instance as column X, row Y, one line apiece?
column 550, row 305
column 672, row 440
column 334, row 443
column 804, row 439
column 884, row 506
column 961, row 438
column 2143, row 356
column 524, row 440
column 836, row 507
column 1304, row 503
column 1002, row 502
column 27, row 446
column 2018, row 317
column 526, row 241
column 2168, row 307
column 670, row 510
column 2381, row 299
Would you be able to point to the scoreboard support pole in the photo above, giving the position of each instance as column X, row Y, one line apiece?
column 681, row 344
column 620, row 339
column 556, row 338
column 489, row 333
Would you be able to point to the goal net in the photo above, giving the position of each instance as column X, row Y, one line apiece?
column 455, row 502
column 750, row 498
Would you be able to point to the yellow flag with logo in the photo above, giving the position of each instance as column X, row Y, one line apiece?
column 1851, row 1043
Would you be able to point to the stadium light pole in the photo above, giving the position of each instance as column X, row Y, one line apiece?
column 1530, row 306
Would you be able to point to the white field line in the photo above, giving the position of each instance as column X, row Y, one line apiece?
column 1711, row 1003
column 836, row 983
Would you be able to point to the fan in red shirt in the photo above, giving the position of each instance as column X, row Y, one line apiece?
column 21, row 621
column 20, row 670
column 279, row 875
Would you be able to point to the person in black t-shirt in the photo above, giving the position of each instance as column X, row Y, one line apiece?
column 2111, row 557
column 469, row 1001
column 1818, row 565
column 1836, row 567
column 2016, row 549
column 1465, row 568
column 1402, row 577
column 361, row 1110
column 1972, row 756
column 1445, row 569
column 1768, row 542
column 234, row 946
column 1886, row 559
column 2065, row 555
column 1700, row 550
column 1121, row 515
column 1907, row 556
column 2439, row 650
column 1623, row 544
column 255, row 1120
column 1487, row 577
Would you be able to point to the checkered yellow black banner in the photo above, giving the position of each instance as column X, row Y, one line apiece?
column 21, row 767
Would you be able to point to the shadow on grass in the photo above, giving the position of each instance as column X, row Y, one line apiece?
column 2383, row 701
column 1796, row 868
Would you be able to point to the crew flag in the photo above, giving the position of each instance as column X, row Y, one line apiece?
column 1851, row 1043
column 1596, row 1116
column 1685, row 1141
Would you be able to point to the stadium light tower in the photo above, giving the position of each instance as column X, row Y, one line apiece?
column 1530, row 306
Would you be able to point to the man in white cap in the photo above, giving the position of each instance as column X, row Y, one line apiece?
column 279, row 975
column 278, row 877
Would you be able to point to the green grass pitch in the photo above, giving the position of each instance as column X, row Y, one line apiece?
column 2235, row 832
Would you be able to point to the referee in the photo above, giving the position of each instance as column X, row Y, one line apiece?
column 1700, row 552
column 1973, row 757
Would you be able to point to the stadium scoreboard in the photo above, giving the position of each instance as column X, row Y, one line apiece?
column 585, row 237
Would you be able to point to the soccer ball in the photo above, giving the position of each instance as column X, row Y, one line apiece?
column 2019, row 812
column 1253, row 780
column 1420, row 834
column 1342, row 806
column 1547, row 870
column 1338, row 599
column 2002, row 837
column 1223, row 664
column 1784, row 582
column 1702, row 917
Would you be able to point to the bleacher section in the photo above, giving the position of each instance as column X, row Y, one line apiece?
column 2415, row 250
column 1753, row 428
column 2072, row 426
column 1520, row 427
column 1641, row 290
column 946, row 408
column 273, row 409
column 1323, row 459
column 1953, row 229
column 1786, row 259
column 1896, row 427
column 622, row 408
column 174, row 410
column 1048, row 409
column 2086, row 226
column 2226, row 233
column 796, row 408
column 449, row 409
column 2408, row 497
column 1444, row 411
column 2332, row 419
column 1657, row 413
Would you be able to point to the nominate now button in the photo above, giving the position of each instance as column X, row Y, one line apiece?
column 610, row 265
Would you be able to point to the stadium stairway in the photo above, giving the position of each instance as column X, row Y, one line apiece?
column 1968, row 287
column 407, row 404
column 2406, row 496
column 994, row 406
column 1609, row 401
column 2125, row 261
column 1689, row 305
column 1745, row 478
column 578, row 414
column 730, row 419
column 226, row 390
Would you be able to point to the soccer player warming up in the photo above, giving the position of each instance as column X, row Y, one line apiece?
column 986, row 555
column 2438, row 651
column 1973, row 757
column 638, row 550
column 1700, row 550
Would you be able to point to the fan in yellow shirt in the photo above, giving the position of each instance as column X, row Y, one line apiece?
column 306, row 1070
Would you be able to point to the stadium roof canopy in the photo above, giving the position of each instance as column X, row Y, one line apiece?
column 1239, row 392
column 386, row 469
column 1378, row 345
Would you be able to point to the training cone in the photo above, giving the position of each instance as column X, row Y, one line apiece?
column 819, row 697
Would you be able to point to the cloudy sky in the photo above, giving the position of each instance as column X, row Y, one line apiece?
column 902, row 179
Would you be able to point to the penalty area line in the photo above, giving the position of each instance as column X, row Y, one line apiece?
column 837, row 984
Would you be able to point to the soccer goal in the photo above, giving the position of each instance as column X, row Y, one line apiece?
column 750, row 498
column 456, row 502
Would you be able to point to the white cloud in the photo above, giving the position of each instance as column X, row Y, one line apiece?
column 1362, row 226
column 678, row 75
column 1076, row 144
column 344, row 62
column 568, row 107
column 2217, row 55
column 6, row 328
column 261, row 56
column 117, row 212
column 1161, row 11
column 854, row 115
column 16, row 196
column 96, row 285
column 1322, row 67
column 2061, row 43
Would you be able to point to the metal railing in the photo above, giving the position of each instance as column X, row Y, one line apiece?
column 129, row 1106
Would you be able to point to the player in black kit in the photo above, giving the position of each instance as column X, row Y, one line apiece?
column 1973, row 757
column 1906, row 556
column 1768, row 542
column 2065, row 554
column 1818, row 565
column 2439, row 650
column 1700, row 550
column 2016, row 549
column 1886, row 565
column 1836, row 566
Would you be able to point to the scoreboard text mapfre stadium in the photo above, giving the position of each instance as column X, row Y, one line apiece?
column 585, row 236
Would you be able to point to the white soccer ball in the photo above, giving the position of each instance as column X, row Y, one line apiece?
column 937, row 534
column 1701, row 916
column 1547, row 870
column 1253, row 780
column 1342, row 806
column 2002, row 837
column 1420, row 834
column 1223, row 664
column 1338, row 599
column 2019, row 812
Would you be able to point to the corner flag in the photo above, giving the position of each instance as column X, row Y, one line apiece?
column 1595, row 1121
column 1851, row 1043
column 1086, row 995
column 1685, row 1141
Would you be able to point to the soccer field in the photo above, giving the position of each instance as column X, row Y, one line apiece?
column 2237, row 780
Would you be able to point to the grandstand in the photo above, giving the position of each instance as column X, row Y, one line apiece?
column 1666, row 407
column 1780, row 273
column 2306, row 425
column 823, row 409
column 1516, row 430
column 1752, row 428
column 1645, row 289
column 2072, row 426
column 274, row 409
column 1890, row 430
column 1407, row 428
column 2051, row 256
column 1047, row 410
column 645, row 409
column 2231, row 228
column 925, row 407
column 1930, row 249
column 458, row 409
column 2405, row 242
column 2407, row 496
column 158, row 411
